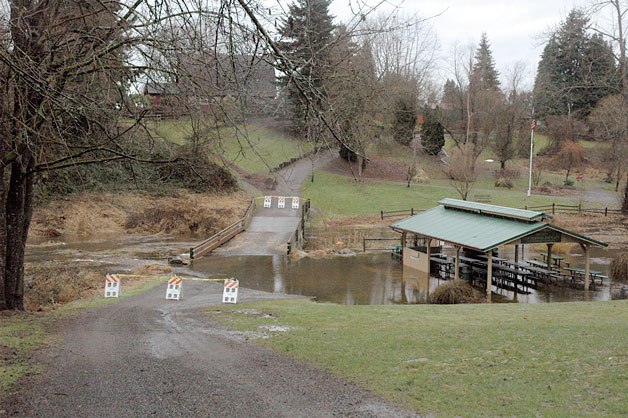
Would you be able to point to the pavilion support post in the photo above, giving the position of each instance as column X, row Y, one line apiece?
column 428, row 244
column 489, row 276
column 457, row 266
column 549, row 256
column 516, row 253
column 587, row 266
column 403, row 244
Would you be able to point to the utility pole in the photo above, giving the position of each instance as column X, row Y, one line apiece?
column 532, row 126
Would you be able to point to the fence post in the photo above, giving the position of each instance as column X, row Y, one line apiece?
column 191, row 253
column 606, row 211
column 411, row 211
column 363, row 244
column 579, row 207
column 553, row 208
column 381, row 212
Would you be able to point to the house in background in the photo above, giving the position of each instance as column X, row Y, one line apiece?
column 250, row 81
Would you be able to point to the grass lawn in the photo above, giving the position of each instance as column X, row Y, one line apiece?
column 559, row 359
column 337, row 195
column 253, row 148
column 257, row 149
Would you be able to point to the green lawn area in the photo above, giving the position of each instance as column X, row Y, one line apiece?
column 253, row 148
column 337, row 195
column 559, row 359
column 256, row 149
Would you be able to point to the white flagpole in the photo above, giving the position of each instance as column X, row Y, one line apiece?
column 531, row 152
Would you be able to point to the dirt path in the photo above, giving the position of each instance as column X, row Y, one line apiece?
column 146, row 356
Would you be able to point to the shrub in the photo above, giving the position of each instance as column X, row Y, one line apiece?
column 504, row 182
column 619, row 268
column 452, row 292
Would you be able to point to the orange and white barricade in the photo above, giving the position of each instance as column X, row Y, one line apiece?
column 295, row 203
column 230, row 291
column 112, row 286
column 268, row 201
column 281, row 202
column 173, row 291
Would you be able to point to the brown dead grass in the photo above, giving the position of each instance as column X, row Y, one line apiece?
column 182, row 212
column 612, row 230
column 52, row 284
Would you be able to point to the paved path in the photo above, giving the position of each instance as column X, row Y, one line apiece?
column 145, row 356
column 271, row 228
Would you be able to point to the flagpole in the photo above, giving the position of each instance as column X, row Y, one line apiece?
column 531, row 152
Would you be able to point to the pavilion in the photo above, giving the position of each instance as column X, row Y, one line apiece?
column 482, row 228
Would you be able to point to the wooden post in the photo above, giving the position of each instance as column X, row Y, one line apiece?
column 403, row 244
column 587, row 267
column 549, row 256
column 516, row 253
column 489, row 276
column 457, row 266
column 427, row 249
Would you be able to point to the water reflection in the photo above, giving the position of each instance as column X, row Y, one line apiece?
column 371, row 279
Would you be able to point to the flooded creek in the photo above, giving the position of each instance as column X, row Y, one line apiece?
column 363, row 279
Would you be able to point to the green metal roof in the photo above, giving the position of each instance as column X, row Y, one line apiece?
column 504, row 211
column 472, row 229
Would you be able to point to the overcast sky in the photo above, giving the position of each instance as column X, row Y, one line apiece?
column 514, row 28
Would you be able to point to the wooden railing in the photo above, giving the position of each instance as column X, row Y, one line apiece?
column 298, row 236
column 225, row 235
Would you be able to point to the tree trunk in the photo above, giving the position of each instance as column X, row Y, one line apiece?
column 19, row 202
column 3, row 240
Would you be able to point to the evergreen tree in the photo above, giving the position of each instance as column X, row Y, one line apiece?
column 576, row 71
column 432, row 134
column 306, row 34
column 405, row 117
column 484, row 76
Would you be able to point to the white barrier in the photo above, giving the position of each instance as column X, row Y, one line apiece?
column 230, row 291
column 281, row 203
column 268, row 201
column 173, row 291
column 112, row 286
column 295, row 203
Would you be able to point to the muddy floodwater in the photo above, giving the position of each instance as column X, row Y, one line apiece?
column 366, row 279
column 363, row 279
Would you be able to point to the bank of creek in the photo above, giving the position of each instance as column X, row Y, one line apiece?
column 364, row 279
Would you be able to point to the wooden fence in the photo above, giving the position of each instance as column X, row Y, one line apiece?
column 553, row 208
column 393, row 241
column 225, row 235
column 558, row 208
column 396, row 213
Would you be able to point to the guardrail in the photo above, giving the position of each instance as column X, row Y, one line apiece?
column 298, row 236
column 225, row 235
column 558, row 208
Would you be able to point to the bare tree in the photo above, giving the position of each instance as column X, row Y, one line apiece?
column 616, row 30
column 461, row 169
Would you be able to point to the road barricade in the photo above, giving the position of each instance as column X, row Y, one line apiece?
column 230, row 291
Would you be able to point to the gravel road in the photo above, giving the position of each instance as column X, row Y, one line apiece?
column 146, row 356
